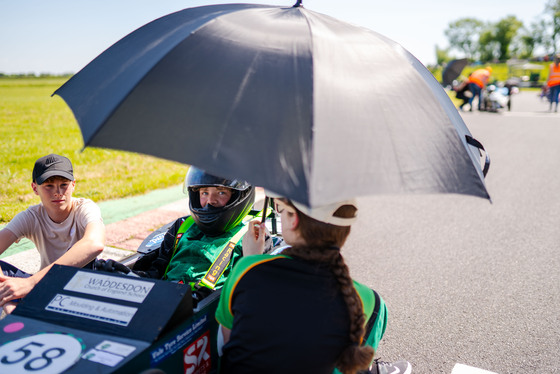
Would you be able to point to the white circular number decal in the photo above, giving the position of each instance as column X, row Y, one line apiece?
column 41, row 354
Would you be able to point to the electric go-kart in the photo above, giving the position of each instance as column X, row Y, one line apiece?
column 88, row 321
column 494, row 98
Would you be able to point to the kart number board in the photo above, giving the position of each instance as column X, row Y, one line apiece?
column 43, row 353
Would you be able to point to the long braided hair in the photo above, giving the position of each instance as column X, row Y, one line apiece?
column 318, row 236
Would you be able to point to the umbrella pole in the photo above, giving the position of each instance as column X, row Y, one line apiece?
column 266, row 201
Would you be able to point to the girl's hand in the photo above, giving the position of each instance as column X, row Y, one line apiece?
column 253, row 241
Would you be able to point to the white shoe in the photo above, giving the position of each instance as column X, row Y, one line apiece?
column 398, row 367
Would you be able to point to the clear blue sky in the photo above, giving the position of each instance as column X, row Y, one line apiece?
column 58, row 36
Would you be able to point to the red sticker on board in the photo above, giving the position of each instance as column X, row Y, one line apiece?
column 197, row 356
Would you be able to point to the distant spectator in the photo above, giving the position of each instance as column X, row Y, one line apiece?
column 477, row 81
column 463, row 93
column 553, row 83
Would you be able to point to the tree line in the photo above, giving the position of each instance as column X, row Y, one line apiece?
column 502, row 40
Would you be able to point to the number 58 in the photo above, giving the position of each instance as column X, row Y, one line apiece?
column 37, row 362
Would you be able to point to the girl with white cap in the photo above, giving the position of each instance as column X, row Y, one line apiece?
column 300, row 311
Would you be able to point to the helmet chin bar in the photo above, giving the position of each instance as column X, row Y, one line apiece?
column 210, row 208
column 209, row 213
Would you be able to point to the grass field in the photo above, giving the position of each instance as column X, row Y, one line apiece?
column 34, row 124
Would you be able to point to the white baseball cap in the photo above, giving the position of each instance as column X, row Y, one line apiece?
column 323, row 213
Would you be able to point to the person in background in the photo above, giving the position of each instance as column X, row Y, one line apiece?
column 463, row 93
column 478, row 79
column 65, row 230
column 553, row 83
column 300, row 311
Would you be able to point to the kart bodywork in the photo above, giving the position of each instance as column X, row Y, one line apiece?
column 122, row 325
column 86, row 321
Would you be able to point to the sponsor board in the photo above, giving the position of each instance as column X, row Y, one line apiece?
column 109, row 286
column 176, row 343
column 91, row 309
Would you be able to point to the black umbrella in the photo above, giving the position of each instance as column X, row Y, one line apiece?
column 452, row 70
column 310, row 107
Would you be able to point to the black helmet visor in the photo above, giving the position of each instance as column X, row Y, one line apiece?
column 199, row 178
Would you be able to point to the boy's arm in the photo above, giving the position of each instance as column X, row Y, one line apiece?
column 87, row 248
column 7, row 238
column 82, row 252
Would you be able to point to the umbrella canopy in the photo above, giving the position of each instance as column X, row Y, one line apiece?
column 300, row 103
column 453, row 70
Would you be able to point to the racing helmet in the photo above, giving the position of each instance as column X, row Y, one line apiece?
column 212, row 220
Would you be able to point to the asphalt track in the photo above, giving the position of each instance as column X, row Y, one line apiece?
column 466, row 281
column 469, row 281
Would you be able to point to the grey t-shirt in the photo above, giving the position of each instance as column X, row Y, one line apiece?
column 54, row 239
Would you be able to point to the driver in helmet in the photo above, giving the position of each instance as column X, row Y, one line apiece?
column 201, row 248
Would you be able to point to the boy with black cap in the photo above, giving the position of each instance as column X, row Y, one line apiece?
column 65, row 230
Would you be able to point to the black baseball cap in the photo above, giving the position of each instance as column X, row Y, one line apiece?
column 50, row 166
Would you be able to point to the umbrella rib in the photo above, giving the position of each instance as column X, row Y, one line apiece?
column 308, row 161
column 238, row 96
